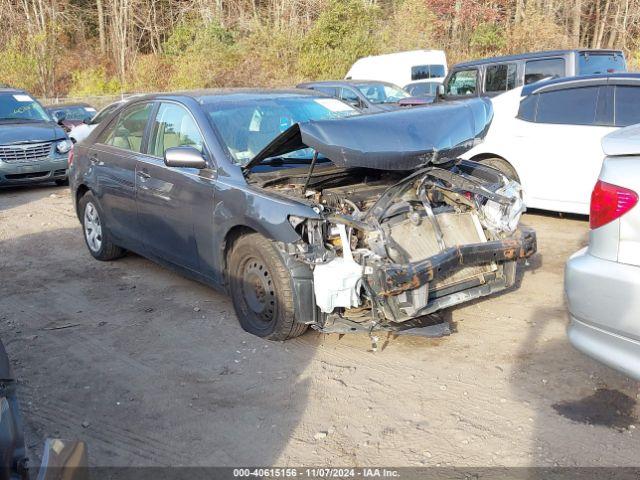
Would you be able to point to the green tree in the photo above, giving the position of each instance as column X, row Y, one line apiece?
column 344, row 32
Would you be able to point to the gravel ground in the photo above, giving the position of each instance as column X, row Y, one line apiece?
column 150, row 368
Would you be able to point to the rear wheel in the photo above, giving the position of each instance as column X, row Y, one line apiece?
column 503, row 166
column 261, row 289
column 96, row 233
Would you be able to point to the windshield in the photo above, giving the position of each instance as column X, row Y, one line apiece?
column 76, row 113
column 382, row 93
column 422, row 88
column 21, row 107
column 247, row 126
column 595, row 63
column 102, row 114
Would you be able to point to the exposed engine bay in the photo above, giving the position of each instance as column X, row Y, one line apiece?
column 387, row 248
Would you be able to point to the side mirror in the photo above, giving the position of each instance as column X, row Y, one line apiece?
column 184, row 157
column 59, row 116
column 440, row 90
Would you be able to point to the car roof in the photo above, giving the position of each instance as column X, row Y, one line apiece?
column 342, row 83
column 215, row 95
column 583, row 80
column 526, row 56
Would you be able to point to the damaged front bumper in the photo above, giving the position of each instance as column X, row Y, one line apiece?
column 394, row 279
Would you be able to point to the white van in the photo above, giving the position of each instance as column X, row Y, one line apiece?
column 401, row 68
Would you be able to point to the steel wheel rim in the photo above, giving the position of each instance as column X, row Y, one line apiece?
column 258, row 292
column 92, row 227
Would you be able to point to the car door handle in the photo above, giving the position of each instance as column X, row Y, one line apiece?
column 142, row 174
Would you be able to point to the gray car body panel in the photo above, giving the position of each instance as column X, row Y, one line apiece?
column 191, row 233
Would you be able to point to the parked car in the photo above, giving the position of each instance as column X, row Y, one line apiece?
column 33, row 147
column 74, row 113
column 602, row 281
column 306, row 214
column 82, row 131
column 495, row 75
column 557, row 126
column 401, row 68
column 365, row 96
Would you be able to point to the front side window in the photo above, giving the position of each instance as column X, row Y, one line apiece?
column 500, row 78
column 104, row 113
column 173, row 127
column 574, row 106
column 128, row 130
column 247, row 126
column 350, row 97
column 627, row 101
column 20, row 107
column 382, row 93
column 536, row 70
column 419, row 72
column 463, row 82
column 595, row 63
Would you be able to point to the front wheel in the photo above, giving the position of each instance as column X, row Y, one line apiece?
column 96, row 233
column 503, row 166
column 261, row 289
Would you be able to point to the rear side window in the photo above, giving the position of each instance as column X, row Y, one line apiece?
column 127, row 131
column 500, row 78
column 594, row 63
column 463, row 82
column 627, row 105
column 419, row 72
column 575, row 106
column 536, row 70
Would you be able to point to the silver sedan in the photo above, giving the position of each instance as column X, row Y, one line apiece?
column 602, row 281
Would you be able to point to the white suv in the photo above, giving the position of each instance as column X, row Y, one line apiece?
column 549, row 139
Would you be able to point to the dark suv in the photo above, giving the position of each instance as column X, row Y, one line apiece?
column 33, row 146
column 495, row 75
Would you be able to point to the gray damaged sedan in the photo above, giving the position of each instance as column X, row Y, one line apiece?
column 307, row 214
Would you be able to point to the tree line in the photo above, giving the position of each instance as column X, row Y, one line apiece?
column 92, row 47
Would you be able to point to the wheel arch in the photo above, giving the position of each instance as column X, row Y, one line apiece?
column 80, row 192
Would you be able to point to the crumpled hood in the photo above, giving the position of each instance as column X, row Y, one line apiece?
column 28, row 132
column 404, row 139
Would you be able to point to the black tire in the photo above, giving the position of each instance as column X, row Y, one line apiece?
column 103, row 249
column 62, row 182
column 504, row 167
column 261, row 289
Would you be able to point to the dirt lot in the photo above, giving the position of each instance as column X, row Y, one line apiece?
column 152, row 369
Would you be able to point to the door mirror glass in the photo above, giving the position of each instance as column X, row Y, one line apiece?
column 184, row 157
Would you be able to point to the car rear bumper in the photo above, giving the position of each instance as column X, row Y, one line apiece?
column 41, row 171
column 604, row 299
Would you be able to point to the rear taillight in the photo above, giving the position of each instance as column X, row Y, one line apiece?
column 70, row 157
column 609, row 202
